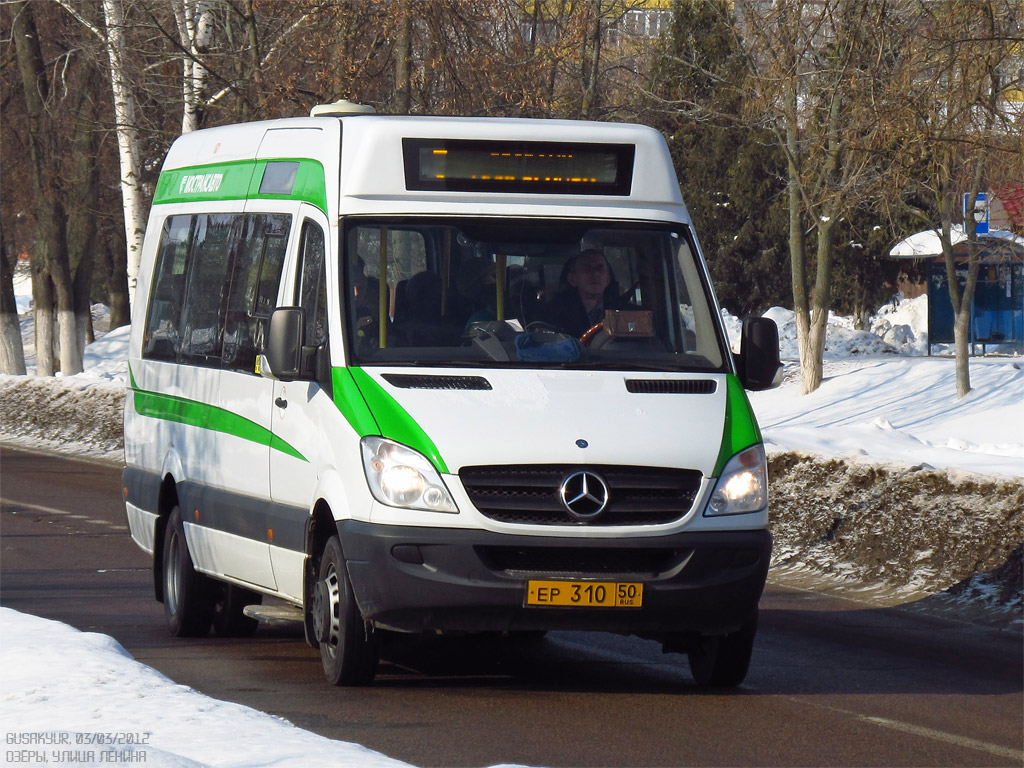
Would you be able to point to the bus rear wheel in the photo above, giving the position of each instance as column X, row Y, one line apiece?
column 348, row 648
column 188, row 603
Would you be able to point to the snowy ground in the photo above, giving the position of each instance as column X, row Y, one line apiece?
column 881, row 399
column 78, row 697
column 884, row 486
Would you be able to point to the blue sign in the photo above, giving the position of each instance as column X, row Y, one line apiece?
column 980, row 212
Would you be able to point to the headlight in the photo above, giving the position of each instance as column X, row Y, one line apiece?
column 743, row 485
column 400, row 477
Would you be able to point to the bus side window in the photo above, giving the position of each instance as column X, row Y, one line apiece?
column 213, row 241
column 163, row 322
column 274, row 246
column 311, row 288
column 255, row 278
column 238, row 351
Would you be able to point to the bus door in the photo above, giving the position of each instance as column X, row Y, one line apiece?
column 298, row 413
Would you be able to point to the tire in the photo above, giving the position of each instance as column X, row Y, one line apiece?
column 348, row 650
column 228, row 614
column 723, row 661
column 187, row 594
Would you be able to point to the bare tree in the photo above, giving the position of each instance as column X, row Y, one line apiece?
column 813, row 68
column 12, row 166
column 731, row 169
column 58, row 114
column 12, row 351
column 194, row 19
column 113, row 38
column 50, row 246
column 954, row 130
column 403, row 58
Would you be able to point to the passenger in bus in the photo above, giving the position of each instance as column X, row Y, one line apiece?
column 366, row 307
column 477, row 287
column 588, row 289
column 419, row 315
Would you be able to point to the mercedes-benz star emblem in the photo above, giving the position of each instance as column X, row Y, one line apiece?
column 584, row 495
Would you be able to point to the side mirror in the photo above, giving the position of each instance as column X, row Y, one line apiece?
column 758, row 362
column 284, row 343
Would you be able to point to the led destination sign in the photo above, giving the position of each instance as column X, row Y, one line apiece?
column 543, row 167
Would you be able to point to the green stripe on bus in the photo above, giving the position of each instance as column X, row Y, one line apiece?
column 239, row 180
column 394, row 421
column 741, row 430
column 205, row 416
column 221, row 181
column 350, row 401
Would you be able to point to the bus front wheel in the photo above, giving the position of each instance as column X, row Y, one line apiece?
column 723, row 661
column 348, row 648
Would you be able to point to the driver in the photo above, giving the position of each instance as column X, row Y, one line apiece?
column 588, row 290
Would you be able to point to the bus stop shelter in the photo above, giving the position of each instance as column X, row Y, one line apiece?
column 997, row 311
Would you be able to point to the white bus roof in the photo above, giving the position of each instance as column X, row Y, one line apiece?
column 372, row 170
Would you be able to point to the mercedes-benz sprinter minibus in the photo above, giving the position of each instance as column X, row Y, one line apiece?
column 447, row 375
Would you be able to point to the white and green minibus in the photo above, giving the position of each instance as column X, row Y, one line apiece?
column 446, row 375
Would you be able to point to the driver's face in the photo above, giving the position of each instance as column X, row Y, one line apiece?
column 590, row 276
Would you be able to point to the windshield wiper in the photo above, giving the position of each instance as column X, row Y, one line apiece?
column 610, row 365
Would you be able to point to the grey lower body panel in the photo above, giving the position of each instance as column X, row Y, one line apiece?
column 418, row 579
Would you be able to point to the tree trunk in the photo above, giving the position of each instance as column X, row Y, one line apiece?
column 194, row 19
column 812, row 372
column 117, row 289
column 253, row 39
column 962, row 324
column 403, row 60
column 127, row 141
column 81, row 284
column 60, row 274
column 12, row 351
column 36, row 90
column 962, row 350
column 861, row 311
column 42, row 298
column 592, row 74
column 961, row 301
column 81, row 221
column 797, row 244
column 812, row 369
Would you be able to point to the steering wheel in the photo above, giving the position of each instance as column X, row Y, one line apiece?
column 591, row 333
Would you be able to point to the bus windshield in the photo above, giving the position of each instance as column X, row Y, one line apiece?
column 526, row 293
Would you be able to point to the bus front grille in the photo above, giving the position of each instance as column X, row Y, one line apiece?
column 530, row 494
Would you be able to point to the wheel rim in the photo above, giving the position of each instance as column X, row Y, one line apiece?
column 332, row 610
column 172, row 570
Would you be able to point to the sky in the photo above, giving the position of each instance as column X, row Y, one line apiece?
column 882, row 401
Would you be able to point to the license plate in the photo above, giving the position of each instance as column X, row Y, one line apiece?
column 585, row 594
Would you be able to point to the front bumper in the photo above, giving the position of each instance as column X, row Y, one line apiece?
column 417, row 579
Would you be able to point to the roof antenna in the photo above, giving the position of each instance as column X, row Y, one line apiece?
column 341, row 108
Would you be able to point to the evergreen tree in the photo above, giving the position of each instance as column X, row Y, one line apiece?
column 731, row 172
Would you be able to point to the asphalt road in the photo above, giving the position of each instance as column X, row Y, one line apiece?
column 833, row 682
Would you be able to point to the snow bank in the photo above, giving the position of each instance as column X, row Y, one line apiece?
column 904, row 410
column 86, row 695
column 882, row 399
column 897, row 329
column 902, row 534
